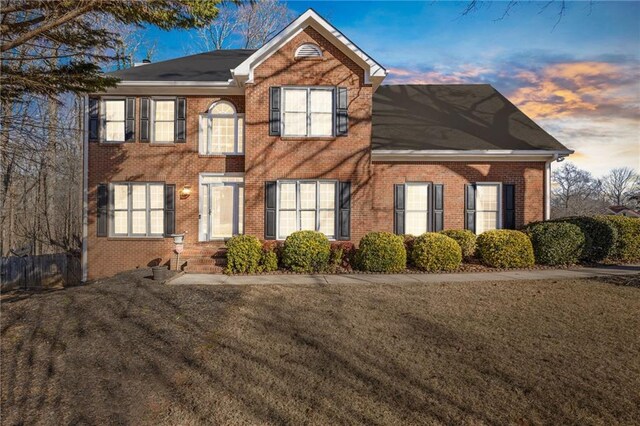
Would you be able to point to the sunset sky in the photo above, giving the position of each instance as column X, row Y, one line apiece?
column 580, row 80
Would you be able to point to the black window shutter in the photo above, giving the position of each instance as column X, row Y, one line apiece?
column 398, row 207
column 438, row 207
column 145, row 112
column 274, row 111
column 94, row 119
column 270, row 210
column 509, row 206
column 342, row 114
column 102, row 203
column 470, row 207
column 130, row 123
column 344, row 211
column 181, row 120
column 169, row 210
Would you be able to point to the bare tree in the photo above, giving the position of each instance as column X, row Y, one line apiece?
column 575, row 192
column 247, row 26
column 259, row 21
column 216, row 35
column 619, row 185
column 559, row 7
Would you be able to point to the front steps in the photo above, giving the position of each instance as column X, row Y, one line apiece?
column 204, row 258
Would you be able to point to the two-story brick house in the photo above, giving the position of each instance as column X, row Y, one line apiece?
column 299, row 134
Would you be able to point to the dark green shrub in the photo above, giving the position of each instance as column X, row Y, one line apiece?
column 408, row 246
column 556, row 243
column 465, row 239
column 306, row 251
column 600, row 237
column 627, row 246
column 436, row 252
column 503, row 248
column 381, row 252
column 342, row 253
column 244, row 253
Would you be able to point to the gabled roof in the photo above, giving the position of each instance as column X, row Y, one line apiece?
column 374, row 72
column 214, row 66
column 471, row 117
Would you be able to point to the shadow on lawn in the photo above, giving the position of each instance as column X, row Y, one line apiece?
column 132, row 351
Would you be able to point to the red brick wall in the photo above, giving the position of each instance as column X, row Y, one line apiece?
column 177, row 164
column 528, row 178
column 272, row 158
column 342, row 158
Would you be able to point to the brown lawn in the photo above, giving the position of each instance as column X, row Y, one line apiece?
column 130, row 351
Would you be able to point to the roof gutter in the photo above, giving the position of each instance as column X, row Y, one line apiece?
column 469, row 155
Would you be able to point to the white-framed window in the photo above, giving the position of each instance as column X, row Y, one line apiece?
column 221, row 130
column 306, row 205
column 164, row 120
column 416, row 208
column 114, row 119
column 307, row 111
column 137, row 209
column 488, row 207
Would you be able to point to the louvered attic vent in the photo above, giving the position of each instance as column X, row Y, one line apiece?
column 308, row 50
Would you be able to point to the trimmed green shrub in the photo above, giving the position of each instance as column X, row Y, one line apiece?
column 381, row 252
column 627, row 246
column 306, row 251
column 436, row 252
column 556, row 243
column 504, row 248
column 600, row 236
column 244, row 253
column 269, row 261
column 465, row 239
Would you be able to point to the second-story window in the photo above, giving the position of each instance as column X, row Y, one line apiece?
column 164, row 112
column 114, row 120
column 307, row 111
column 222, row 130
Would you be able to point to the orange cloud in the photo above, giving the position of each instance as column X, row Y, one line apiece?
column 574, row 88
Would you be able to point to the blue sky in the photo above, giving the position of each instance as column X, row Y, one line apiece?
column 579, row 80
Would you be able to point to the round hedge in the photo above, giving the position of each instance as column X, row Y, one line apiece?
column 556, row 243
column 503, row 248
column 627, row 246
column 306, row 251
column 244, row 253
column 381, row 252
column 465, row 239
column 600, row 237
column 436, row 252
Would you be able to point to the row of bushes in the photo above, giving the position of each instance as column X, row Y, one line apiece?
column 309, row 251
column 558, row 242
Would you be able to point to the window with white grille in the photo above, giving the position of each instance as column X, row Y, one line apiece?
column 222, row 130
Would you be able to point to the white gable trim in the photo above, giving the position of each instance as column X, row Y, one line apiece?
column 374, row 72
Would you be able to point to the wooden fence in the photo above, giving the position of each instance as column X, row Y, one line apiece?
column 48, row 270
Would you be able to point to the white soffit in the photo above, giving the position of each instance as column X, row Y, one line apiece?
column 468, row 155
column 374, row 72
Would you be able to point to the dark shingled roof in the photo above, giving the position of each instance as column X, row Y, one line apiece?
column 208, row 66
column 456, row 116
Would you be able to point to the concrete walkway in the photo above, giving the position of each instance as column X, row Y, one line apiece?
column 540, row 274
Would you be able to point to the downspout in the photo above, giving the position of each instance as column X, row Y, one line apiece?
column 85, row 184
column 547, row 187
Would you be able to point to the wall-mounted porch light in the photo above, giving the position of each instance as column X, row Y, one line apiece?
column 185, row 192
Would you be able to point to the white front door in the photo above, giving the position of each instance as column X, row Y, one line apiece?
column 221, row 210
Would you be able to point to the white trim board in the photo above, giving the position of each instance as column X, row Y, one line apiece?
column 374, row 72
column 467, row 155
